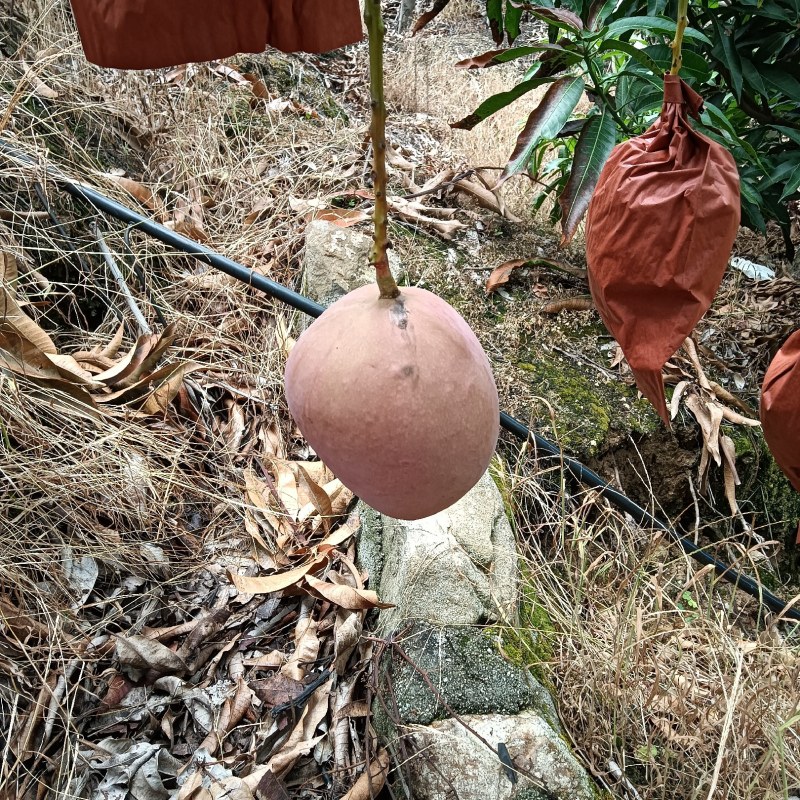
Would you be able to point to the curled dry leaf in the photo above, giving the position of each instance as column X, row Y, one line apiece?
column 372, row 779
column 141, row 653
column 568, row 304
column 346, row 596
column 40, row 88
column 276, row 583
column 142, row 193
column 306, row 648
column 277, row 689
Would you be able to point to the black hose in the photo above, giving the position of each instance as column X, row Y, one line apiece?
column 512, row 425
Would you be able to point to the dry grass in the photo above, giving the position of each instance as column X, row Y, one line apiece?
column 686, row 698
column 660, row 667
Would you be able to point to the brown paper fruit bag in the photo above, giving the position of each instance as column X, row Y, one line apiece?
column 659, row 232
column 780, row 408
column 145, row 34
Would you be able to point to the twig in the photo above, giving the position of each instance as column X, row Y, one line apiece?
column 373, row 19
column 144, row 328
column 677, row 56
column 140, row 274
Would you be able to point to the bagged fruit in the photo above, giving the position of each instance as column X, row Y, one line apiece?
column 659, row 232
column 145, row 34
column 780, row 408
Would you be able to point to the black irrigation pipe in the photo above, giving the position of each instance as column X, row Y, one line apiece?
column 241, row 273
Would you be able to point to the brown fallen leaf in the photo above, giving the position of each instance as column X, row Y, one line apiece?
column 39, row 87
column 282, row 580
column 10, row 311
column 346, row 596
column 501, row 274
column 306, row 649
column 372, row 780
column 343, row 217
column 277, row 690
column 568, row 304
column 141, row 653
column 141, row 192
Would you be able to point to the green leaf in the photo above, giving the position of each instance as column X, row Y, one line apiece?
column 598, row 11
column 791, row 133
column 791, row 186
column 726, row 52
column 595, row 143
column 513, row 16
column 782, row 81
column 492, row 58
column 615, row 45
column 659, row 25
column 753, row 77
column 494, row 13
column 496, row 102
column 694, row 66
column 544, row 122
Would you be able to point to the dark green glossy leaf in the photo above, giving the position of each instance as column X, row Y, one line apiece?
column 782, row 80
column 615, row 45
column 494, row 13
column 789, row 133
column 544, row 122
column 594, row 145
column 753, row 78
column 598, row 11
column 512, row 20
column 659, row 25
column 694, row 66
column 791, row 186
column 498, row 101
column 726, row 52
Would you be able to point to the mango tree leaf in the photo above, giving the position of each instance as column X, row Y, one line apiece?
column 498, row 101
column 791, row 186
column 544, row 122
column 493, row 57
column 782, row 81
column 693, row 66
column 598, row 11
column 511, row 23
column 494, row 13
column 615, row 45
column 560, row 17
column 659, row 25
column 424, row 19
column 594, row 145
column 725, row 51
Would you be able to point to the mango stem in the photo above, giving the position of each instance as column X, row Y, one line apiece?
column 373, row 19
column 677, row 42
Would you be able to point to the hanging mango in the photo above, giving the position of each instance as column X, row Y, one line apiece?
column 660, row 229
column 145, row 34
column 780, row 408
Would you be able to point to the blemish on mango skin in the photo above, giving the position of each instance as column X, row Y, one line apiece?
column 399, row 313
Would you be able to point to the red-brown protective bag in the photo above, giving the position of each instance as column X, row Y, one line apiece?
column 145, row 34
column 659, row 232
column 780, row 408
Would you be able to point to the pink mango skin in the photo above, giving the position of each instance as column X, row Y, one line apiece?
column 397, row 397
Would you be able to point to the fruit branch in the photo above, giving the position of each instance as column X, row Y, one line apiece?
column 373, row 19
column 677, row 58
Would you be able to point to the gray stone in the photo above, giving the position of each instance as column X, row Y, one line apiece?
column 467, row 673
column 452, row 762
column 457, row 567
column 336, row 261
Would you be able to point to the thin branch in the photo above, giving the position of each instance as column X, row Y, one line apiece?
column 144, row 328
